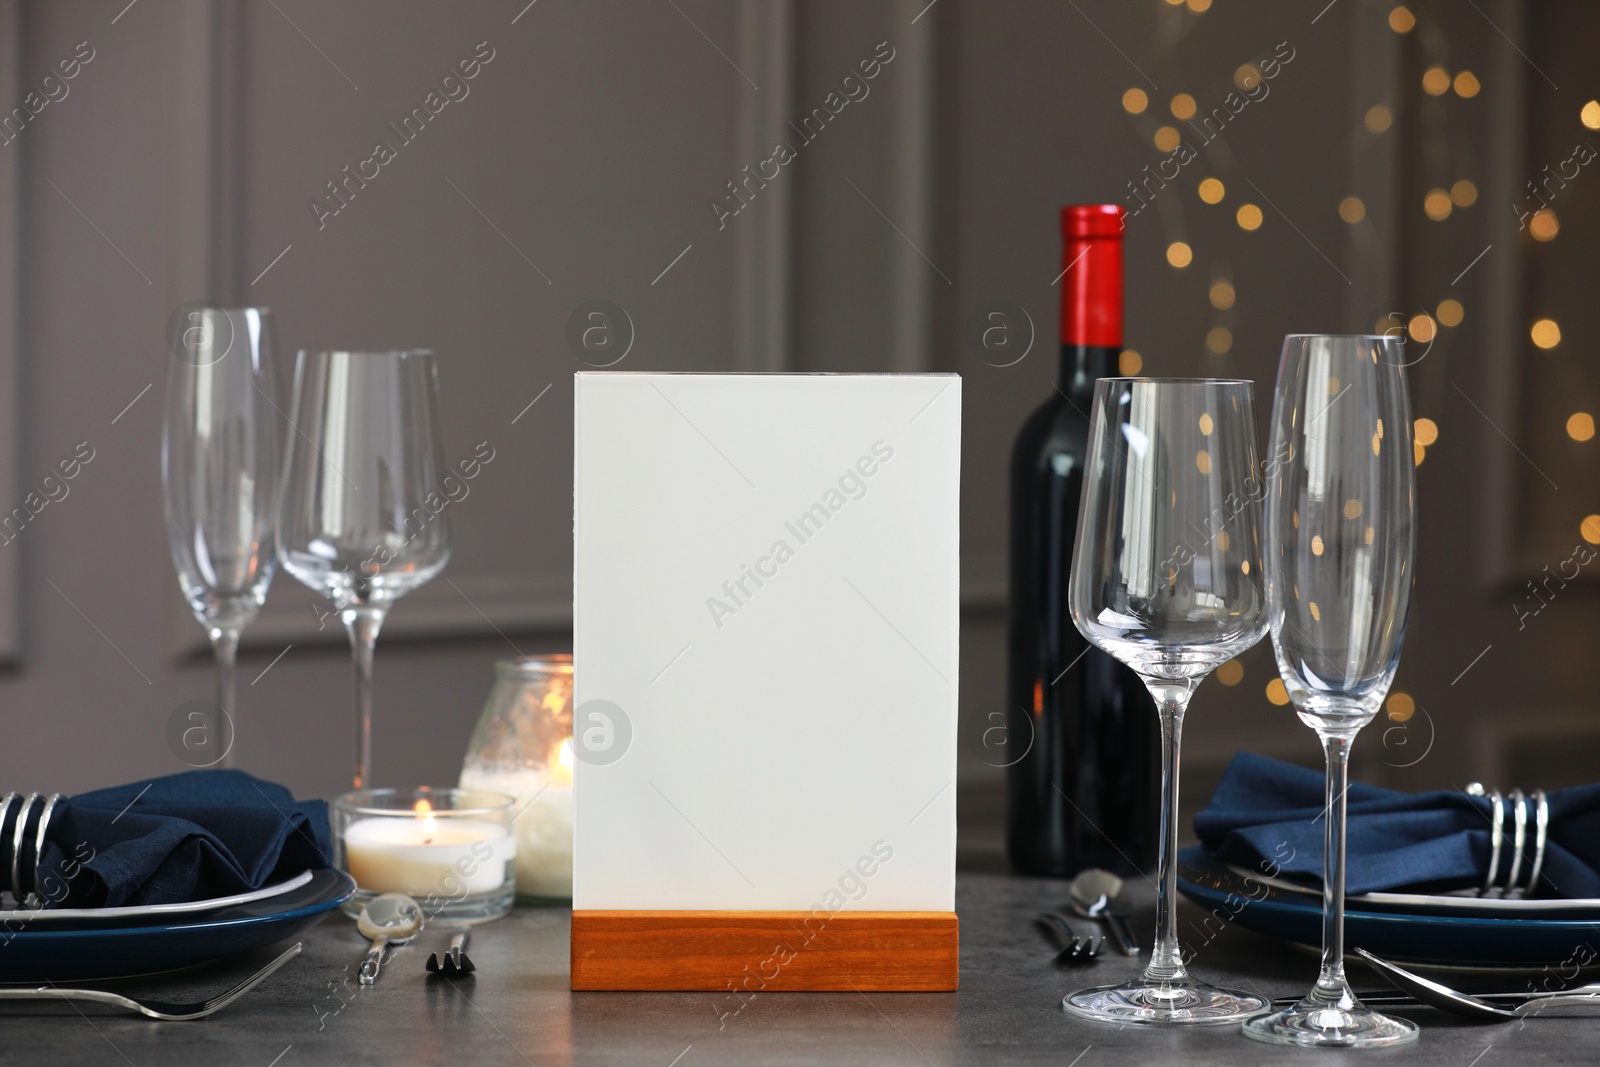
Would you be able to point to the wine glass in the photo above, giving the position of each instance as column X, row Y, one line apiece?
column 363, row 517
column 1166, row 577
column 1341, row 539
column 219, row 470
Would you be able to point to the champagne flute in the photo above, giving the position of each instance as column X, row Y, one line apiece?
column 1166, row 578
column 1341, row 540
column 219, row 471
column 363, row 515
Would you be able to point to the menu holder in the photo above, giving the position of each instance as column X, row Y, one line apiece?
column 765, row 629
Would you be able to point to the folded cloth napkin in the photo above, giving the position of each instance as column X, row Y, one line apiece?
column 1267, row 813
column 185, row 837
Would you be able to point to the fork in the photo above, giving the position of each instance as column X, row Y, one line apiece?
column 156, row 1009
column 1073, row 949
column 456, row 960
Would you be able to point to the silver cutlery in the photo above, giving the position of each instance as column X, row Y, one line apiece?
column 456, row 960
column 1071, row 947
column 155, row 1009
column 389, row 919
column 1509, row 1006
column 1101, row 896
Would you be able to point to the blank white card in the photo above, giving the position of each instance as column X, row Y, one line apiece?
column 765, row 629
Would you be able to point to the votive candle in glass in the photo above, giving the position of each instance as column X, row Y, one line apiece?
column 451, row 849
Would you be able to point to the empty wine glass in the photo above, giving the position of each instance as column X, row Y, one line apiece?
column 1166, row 578
column 363, row 515
column 219, row 470
column 1341, row 511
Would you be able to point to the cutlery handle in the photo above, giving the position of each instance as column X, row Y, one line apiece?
column 369, row 966
column 1058, row 927
column 1123, row 935
column 458, row 945
column 1577, row 996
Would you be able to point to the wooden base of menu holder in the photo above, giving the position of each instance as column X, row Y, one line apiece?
column 765, row 951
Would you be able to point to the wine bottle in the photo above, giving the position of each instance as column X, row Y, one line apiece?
column 1082, row 737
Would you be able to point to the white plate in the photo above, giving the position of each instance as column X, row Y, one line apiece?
column 151, row 910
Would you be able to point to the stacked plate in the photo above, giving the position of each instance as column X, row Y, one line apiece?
column 1413, row 928
column 87, row 943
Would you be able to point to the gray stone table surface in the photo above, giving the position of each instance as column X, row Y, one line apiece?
column 517, row 1010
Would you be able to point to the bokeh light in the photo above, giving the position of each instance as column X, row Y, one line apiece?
column 1545, row 333
column 1544, row 225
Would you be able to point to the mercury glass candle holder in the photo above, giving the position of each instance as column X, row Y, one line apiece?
column 451, row 849
column 523, row 746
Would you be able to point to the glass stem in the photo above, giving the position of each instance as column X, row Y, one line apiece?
column 225, row 646
column 1166, row 961
column 363, row 624
column 1331, row 984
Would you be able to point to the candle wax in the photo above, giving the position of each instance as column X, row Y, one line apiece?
column 428, row 857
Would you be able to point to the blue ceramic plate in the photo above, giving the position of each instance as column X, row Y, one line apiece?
column 39, row 952
column 1428, row 939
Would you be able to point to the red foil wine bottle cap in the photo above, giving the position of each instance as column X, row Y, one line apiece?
column 1091, row 282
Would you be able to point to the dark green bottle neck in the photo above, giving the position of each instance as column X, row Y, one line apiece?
column 1080, row 366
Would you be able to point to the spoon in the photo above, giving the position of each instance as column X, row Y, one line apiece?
column 1446, row 999
column 390, row 919
column 1100, row 895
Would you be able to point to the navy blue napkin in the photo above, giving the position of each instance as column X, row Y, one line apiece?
column 185, row 837
column 1268, row 813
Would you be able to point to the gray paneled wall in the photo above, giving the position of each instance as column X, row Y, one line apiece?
column 580, row 162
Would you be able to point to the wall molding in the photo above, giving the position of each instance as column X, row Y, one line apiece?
column 763, row 279
column 1377, row 61
column 11, row 239
column 1505, row 557
column 912, row 279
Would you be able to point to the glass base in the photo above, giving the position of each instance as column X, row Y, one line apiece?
column 1318, row 1024
column 1185, row 1002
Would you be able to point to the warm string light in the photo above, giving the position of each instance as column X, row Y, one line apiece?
column 1545, row 333
column 1544, row 225
column 1439, row 204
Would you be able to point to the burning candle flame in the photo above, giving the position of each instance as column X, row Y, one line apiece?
column 424, row 810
